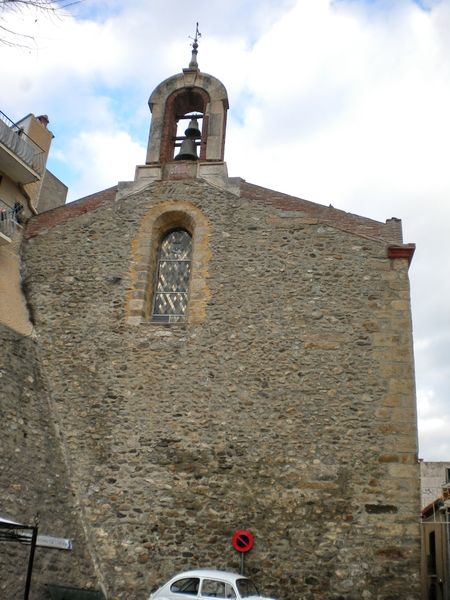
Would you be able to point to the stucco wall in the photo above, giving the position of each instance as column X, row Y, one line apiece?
column 288, row 410
column 53, row 192
column 433, row 476
column 13, row 309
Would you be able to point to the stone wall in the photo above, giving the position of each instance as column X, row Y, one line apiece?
column 288, row 410
column 33, row 477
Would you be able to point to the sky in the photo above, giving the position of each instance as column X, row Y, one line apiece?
column 342, row 102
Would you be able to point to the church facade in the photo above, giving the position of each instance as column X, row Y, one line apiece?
column 210, row 355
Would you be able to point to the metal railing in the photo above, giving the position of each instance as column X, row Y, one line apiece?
column 14, row 138
column 8, row 219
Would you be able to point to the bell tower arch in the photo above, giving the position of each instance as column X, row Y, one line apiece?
column 189, row 92
column 190, row 105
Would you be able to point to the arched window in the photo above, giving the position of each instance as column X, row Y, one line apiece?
column 169, row 259
column 172, row 279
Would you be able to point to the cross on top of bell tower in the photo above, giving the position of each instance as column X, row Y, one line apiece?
column 193, row 64
column 199, row 100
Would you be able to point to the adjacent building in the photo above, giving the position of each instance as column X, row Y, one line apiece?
column 435, row 477
column 26, row 188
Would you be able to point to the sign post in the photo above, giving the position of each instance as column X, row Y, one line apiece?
column 242, row 541
column 10, row 531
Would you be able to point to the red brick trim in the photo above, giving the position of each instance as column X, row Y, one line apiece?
column 361, row 226
column 178, row 104
column 405, row 251
column 50, row 218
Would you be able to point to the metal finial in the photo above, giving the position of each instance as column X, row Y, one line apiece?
column 193, row 64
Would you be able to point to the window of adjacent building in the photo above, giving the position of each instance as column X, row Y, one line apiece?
column 172, row 280
column 432, row 553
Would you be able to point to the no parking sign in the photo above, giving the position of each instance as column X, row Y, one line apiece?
column 242, row 540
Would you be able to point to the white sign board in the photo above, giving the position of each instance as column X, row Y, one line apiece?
column 48, row 541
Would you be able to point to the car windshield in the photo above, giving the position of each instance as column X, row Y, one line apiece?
column 246, row 588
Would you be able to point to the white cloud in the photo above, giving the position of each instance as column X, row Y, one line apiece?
column 359, row 120
column 434, row 425
column 101, row 159
column 343, row 102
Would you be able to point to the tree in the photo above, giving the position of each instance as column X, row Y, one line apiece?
column 12, row 37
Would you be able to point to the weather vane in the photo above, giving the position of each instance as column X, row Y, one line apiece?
column 193, row 64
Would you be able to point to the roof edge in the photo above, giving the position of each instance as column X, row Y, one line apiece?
column 390, row 231
column 50, row 218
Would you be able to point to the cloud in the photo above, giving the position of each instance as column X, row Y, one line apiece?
column 360, row 121
column 434, row 425
column 337, row 101
column 104, row 152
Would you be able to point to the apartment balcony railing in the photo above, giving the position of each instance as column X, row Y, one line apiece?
column 20, row 158
column 9, row 224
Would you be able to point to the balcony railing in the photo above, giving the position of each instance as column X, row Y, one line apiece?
column 9, row 219
column 17, row 141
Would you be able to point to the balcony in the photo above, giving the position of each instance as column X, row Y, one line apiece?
column 20, row 158
column 9, row 224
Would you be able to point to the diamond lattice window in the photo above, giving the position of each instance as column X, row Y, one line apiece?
column 172, row 283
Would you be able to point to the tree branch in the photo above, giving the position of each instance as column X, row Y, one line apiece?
column 10, row 37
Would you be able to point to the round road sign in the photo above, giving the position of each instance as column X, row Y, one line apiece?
column 242, row 540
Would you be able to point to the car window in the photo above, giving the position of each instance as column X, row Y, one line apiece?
column 211, row 588
column 246, row 588
column 187, row 585
column 229, row 591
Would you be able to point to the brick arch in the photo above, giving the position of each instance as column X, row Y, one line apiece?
column 154, row 225
column 179, row 103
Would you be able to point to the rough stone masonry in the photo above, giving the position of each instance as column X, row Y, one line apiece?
column 284, row 404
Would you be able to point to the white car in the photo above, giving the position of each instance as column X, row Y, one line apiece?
column 207, row 583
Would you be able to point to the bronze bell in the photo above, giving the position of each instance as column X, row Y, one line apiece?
column 193, row 131
column 188, row 150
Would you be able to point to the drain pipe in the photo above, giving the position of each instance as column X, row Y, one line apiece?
column 28, row 199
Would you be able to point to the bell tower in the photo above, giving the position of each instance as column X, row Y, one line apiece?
column 187, row 131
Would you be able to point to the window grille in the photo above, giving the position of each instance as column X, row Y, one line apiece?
column 172, row 281
column 9, row 218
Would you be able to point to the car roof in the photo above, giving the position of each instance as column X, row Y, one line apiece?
column 209, row 573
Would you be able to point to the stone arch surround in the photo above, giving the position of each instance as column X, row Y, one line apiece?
column 157, row 221
column 215, row 113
